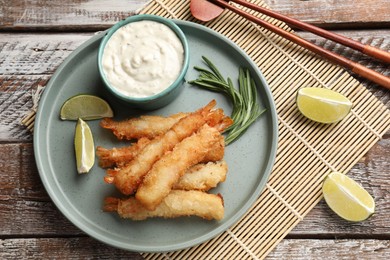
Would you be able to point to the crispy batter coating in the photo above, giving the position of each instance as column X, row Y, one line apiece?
column 150, row 126
column 203, row 177
column 128, row 178
column 118, row 157
column 167, row 171
column 178, row 203
column 147, row 126
column 172, row 164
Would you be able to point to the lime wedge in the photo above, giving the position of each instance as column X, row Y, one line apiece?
column 323, row 105
column 347, row 198
column 86, row 107
column 84, row 147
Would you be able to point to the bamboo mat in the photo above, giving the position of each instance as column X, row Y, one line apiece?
column 307, row 151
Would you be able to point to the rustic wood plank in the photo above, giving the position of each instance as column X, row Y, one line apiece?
column 57, row 15
column 87, row 248
column 350, row 14
column 331, row 249
column 94, row 15
column 24, row 201
column 36, row 54
column 64, row 248
column 15, row 103
column 26, row 62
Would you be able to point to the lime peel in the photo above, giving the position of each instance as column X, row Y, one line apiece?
column 323, row 105
column 84, row 147
column 347, row 198
column 86, row 107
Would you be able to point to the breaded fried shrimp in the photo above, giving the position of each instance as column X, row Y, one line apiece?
column 216, row 153
column 147, row 126
column 203, row 177
column 178, row 203
column 118, row 157
column 167, row 171
column 128, row 178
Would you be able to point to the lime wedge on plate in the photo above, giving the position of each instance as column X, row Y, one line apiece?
column 86, row 107
column 347, row 198
column 84, row 147
column 323, row 105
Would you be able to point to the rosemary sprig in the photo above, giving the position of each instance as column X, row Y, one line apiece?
column 246, row 108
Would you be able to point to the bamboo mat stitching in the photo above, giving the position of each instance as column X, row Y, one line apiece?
column 166, row 256
column 372, row 130
column 167, row 9
column 300, row 138
column 279, row 197
column 249, row 251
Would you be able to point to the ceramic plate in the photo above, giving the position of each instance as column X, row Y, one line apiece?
column 80, row 197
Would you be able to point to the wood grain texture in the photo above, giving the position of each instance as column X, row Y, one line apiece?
column 26, row 62
column 81, row 15
column 331, row 249
column 87, row 248
column 36, row 54
column 91, row 15
column 16, row 102
column 23, row 199
column 61, row 248
column 332, row 14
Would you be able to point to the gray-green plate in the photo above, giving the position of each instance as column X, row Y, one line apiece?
column 80, row 197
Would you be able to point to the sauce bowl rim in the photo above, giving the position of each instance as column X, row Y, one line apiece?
column 136, row 18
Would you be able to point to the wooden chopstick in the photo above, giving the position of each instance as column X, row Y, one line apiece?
column 333, row 57
column 366, row 49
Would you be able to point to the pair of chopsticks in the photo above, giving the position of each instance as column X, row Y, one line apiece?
column 335, row 58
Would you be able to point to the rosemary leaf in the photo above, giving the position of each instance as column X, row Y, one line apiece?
column 214, row 69
column 246, row 108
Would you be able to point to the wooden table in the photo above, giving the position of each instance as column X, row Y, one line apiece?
column 35, row 38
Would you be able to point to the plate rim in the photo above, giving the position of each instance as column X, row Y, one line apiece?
column 194, row 241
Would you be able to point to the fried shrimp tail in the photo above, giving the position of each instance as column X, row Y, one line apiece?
column 145, row 126
column 177, row 204
column 203, row 176
column 224, row 124
column 128, row 178
column 168, row 170
column 111, row 204
column 119, row 156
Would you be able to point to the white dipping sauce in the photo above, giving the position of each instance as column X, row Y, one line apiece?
column 142, row 58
